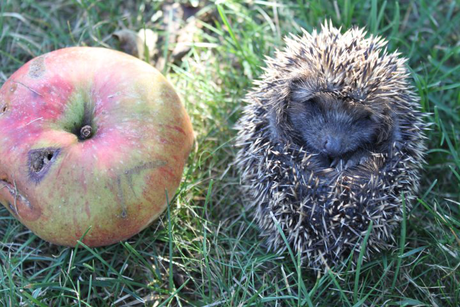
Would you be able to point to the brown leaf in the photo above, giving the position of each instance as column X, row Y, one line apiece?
column 130, row 42
column 135, row 43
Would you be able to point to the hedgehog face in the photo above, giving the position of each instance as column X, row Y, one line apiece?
column 332, row 127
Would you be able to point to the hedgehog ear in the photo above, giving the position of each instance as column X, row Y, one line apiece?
column 298, row 88
column 302, row 89
column 278, row 118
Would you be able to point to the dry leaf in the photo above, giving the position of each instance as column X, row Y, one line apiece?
column 136, row 43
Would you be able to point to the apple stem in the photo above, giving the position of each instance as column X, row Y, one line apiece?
column 85, row 132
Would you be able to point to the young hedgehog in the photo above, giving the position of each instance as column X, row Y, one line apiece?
column 330, row 141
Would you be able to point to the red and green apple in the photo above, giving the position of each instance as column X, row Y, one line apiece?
column 90, row 138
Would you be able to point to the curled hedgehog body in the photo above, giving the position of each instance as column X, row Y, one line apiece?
column 331, row 140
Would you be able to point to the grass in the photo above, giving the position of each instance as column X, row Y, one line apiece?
column 205, row 250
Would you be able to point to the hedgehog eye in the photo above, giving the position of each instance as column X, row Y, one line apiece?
column 313, row 105
column 367, row 118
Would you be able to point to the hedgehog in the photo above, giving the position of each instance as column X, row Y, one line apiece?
column 330, row 146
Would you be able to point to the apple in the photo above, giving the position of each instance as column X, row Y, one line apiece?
column 92, row 141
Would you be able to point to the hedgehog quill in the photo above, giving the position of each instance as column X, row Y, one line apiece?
column 331, row 139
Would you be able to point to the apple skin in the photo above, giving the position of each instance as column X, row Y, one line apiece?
column 59, row 180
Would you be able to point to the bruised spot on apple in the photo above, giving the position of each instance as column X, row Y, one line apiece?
column 90, row 138
column 37, row 67
column 40, row 161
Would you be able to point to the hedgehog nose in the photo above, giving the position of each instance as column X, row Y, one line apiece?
column 332, row 146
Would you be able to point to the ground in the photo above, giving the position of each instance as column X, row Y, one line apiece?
column 206, row 250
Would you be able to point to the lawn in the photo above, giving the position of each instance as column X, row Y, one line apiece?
column 206, row 250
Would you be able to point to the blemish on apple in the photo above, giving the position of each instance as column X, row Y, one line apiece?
column 17, row 203
column 37, row 67
column 13, row 87
column 39, row 162
column 3, row 107
column 13, row 209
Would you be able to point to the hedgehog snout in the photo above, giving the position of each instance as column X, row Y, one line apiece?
column 332, row 146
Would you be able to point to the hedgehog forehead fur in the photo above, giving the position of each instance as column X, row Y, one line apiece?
column 325, row 209
column 349, row 65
